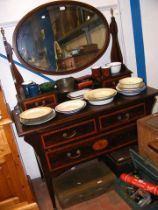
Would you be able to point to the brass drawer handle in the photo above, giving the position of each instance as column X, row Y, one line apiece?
column 69, row 135
column 75, row 156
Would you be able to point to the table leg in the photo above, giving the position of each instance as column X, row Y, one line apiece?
column 50, row 187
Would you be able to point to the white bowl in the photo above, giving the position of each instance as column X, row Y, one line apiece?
column 36, row 113
column 131, row 86
column 131, row 81
column 100, row 94
column 102, row 102
column 115, row 67
column 70, row 106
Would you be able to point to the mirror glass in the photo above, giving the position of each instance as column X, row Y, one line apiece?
column 61, row 37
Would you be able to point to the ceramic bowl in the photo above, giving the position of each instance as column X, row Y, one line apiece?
column 101, row 102
column 36, row 113
column 65, row 85
column 131, row 86
column 131, row 80
column 71, row 106
column 115, row 67
column 46, row 86
column 100, row 94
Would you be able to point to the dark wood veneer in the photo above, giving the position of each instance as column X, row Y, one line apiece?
column 57, row 154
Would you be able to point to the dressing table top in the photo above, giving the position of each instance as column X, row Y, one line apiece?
column 119, row 102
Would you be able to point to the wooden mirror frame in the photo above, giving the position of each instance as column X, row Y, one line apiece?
column 60, row 3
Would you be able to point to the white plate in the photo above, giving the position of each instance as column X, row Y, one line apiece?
column 129, row 94
column 131, row 86
column 100, row 94
column 130, row 80
column 132, row 93
column 102, row 102
column 70, row 112
column 130, row 90
column 35, row 113
column 38, row 122
column 77, row 94
column 71, row 106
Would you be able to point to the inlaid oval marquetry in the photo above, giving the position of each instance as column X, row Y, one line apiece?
column 100, row 144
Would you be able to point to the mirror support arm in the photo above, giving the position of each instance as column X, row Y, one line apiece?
column 116, row 54
column 18, row 79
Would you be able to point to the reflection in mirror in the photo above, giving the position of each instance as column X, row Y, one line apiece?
column 63, row 37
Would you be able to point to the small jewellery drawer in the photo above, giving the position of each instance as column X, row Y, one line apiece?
column 41, row 100
column 123, row 116
column 69, row 133
column 70, row 155
column 114, row 81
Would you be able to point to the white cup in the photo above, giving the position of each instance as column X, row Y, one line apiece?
column 115, row 67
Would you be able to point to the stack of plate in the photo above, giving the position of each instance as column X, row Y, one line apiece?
column 70, row 107
column 36, row 116
column 131, row 86
column 100, row 96
column 79, row 94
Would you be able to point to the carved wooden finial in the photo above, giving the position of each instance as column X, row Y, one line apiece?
column 116, row 54
column 112, row 12
column 2, row 32
column 3, row 35
column 18, row 79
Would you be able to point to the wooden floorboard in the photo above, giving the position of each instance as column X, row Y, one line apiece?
column 106, row 201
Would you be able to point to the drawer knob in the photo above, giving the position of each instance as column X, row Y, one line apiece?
column 43, row 102
column 69, row 135
column 36, row 103
column 127, row 115
column 119, row 117
column 74, row 156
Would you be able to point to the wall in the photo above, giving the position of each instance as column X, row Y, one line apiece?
column 8, row 19
column 149, row 16
column 13, row 10
column 127, row 30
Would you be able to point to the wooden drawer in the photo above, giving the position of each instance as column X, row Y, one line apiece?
column 121, row 117
column 70, row 155
column 41, row 100
column 68, row 133
column 111, row 83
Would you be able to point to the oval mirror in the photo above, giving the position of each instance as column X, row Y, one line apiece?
column 61, row 37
